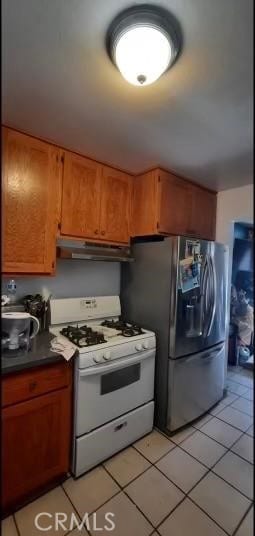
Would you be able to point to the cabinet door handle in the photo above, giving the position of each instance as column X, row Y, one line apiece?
column 102, row 232
column 32, row 385
column 96, row 231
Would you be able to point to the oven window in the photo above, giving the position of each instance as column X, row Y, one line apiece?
column 120, row 378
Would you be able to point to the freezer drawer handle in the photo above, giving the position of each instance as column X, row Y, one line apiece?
column 206, row 356
column 120, row 426
column 211, row 354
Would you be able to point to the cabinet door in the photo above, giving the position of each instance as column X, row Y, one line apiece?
column 144, row 214
column 80, row 197
column 35, row 444
column 115, row 206
column 203, row 221
column 175, row 204
column 30, row 175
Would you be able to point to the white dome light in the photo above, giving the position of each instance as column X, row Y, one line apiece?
column 142, row 54
column 143, row 42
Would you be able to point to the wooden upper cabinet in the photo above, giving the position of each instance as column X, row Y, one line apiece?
column 203, row 213
column 30, row 187
column 80, row 215
column 144, row 205
column 175, row 204
column 95, row 201
column 115, row 205
column 169, row 205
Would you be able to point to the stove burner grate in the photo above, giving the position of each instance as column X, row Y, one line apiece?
column 127, row 329
column 82, row 336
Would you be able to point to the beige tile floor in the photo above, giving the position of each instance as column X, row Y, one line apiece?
column 199, row 482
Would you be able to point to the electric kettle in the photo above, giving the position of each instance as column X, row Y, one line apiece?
column 17, row 330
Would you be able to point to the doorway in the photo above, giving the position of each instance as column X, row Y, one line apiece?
column 241, row 331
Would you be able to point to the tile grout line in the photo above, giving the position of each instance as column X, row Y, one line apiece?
column 153, row 464
column 16, row 524
column 75, row 510
column 212, row 467
column 222, row 444
column 122, row 489
column 185, row 494
column 206, row 474
column 199, row 461
column 240, row 383
column 243, row 518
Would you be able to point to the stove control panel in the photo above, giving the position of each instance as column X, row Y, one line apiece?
column 88, row 303
column 102, row 356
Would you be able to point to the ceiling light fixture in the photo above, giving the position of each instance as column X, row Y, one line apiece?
column 143, row 42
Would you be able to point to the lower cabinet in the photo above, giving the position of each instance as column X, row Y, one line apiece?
column 36, row 439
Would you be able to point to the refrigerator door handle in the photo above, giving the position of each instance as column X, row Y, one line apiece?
column 213, row 296
column 205, row 306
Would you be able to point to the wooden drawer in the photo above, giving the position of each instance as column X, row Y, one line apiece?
column 34, row 382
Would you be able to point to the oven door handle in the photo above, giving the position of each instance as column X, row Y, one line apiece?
column 116, row 364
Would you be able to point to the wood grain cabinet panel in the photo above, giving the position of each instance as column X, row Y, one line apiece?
column 30, row 174
column 35, row 431
column 36, row 444
column 203, row 213
column 175, row 205
column 144, row 204
column 34, row 382
column 115, row 206
column 80, row 216
column 164, row 204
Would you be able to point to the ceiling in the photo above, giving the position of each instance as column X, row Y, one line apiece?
column 58, row 84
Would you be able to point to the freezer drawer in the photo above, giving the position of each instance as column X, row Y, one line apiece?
column 195, row 385
column 91, row 449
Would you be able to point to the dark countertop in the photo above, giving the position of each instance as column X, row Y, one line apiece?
column 39, row 354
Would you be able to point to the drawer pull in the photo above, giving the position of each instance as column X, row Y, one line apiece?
column 120, row 426
column 32, row 385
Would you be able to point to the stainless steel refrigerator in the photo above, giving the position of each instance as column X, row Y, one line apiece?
column 177, row 287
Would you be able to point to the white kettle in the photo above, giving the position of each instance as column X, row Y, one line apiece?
column 16, row 328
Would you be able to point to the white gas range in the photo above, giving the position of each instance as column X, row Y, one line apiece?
column 114, row 377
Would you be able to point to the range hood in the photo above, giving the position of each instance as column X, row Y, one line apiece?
column 88, row 251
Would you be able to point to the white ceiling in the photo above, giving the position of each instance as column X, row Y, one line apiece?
column 58, row 84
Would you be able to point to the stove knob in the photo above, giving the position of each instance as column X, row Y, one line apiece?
column 97, row 359
column 145, row 345
column 138, row 347
column 107, row 356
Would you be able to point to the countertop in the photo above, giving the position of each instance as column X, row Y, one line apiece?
column 39, row 354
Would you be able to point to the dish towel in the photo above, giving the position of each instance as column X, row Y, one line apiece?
column 60, row 345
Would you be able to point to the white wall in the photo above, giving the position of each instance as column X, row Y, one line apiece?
column 235, row 205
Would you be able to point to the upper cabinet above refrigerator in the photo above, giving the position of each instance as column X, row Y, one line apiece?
column 164, row 204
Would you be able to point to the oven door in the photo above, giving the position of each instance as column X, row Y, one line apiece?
column 104, row 392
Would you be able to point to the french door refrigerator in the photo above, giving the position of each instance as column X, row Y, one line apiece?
column 177, row 287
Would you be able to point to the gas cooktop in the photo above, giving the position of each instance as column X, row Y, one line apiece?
column 83, row 336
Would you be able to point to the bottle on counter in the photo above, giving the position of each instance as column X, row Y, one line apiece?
column 11, row 291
